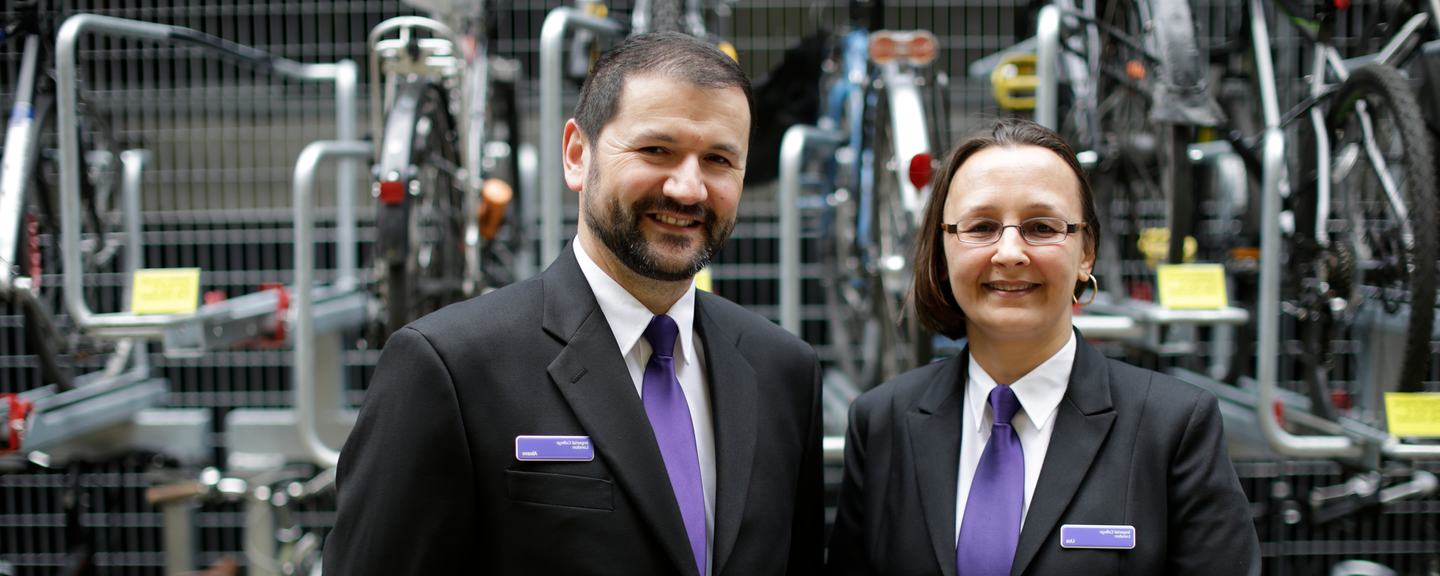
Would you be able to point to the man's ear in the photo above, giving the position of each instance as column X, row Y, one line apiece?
column 575, row 156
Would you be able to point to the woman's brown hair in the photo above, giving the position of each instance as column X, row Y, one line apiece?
column 935, row 302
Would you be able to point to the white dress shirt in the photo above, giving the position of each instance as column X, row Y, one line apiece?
column 628, row 319
column 1039, row 393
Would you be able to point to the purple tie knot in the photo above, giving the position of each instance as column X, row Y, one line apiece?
column 1002, row 399
column 661, row 334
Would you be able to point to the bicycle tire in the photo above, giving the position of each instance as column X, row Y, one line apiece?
column 1381, row 269
column 420, row 253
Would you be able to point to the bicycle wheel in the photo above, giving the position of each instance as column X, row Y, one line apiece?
column 420, row 259
column 1381, row 223
column 1147, row 159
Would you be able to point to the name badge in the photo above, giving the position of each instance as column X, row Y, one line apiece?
column 1097, row 536
column 554, row 448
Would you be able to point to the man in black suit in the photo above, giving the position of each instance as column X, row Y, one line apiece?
column 524, row 431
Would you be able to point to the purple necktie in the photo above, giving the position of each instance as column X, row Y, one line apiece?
column 991, row 529
column 670, row 418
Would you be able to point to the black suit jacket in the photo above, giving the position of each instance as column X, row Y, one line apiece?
column 1130, row 447
column 429, row 483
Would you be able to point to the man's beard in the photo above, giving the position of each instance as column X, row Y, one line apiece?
column 618, row 228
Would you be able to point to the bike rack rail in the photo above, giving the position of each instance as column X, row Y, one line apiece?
column 210, row 325
column 304, row 376
column 552, row 123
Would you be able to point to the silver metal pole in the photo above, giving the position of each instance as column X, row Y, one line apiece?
column 303, row 374
column 346, row 79
column 552, row 124
column 1046, row 62
column 133, row 162
column 113, row 325
column 792, row 163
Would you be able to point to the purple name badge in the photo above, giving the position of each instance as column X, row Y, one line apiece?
column 1097, row 536
column 554, row 448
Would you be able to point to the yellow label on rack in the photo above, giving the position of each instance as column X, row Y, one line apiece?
column 702, row 279
column 165, row 290
column 1413, row 413
column 1192, row 286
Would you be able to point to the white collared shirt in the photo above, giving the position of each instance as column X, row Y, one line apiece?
column 628, row 319
column 1040, row 393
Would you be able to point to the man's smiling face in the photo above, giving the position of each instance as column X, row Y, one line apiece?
column 662, row 181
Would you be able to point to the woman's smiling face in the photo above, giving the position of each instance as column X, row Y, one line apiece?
column 1012, row 290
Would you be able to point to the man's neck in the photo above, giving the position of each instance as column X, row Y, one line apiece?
column 658, row 296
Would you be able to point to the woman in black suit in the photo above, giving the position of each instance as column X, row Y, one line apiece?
column 1030, row 452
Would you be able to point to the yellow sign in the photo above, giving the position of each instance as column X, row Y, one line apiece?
column 1155, row 244
column 1192, row 286
column 1413, row 413
column 702, row 279
column 165, row 290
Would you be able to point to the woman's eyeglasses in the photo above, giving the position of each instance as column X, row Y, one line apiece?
column 1034, row 231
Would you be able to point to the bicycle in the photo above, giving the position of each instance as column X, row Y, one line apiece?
column 874, row 204
column 446, row 154
column 1362, row 188
column 30, row 208
column 1134, row 81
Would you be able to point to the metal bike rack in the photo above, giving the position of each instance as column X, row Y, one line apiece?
column 1047, row 58
column 275, row 436
column 552, row 123
column 212, row 325
column 799, row 140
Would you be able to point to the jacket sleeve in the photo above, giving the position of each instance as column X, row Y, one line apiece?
column 847, row 554
column 405, row 484
column 807, row 538
column 1210, row 527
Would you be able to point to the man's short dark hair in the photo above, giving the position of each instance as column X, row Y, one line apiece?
column 672, row 55
column 935, row 303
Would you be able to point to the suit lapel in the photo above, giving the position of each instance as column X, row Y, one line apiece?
column 1082, row 423
column 592, row 377
column 733, row 394
column 934, row 434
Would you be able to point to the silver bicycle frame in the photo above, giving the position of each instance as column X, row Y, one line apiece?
column 16, row 168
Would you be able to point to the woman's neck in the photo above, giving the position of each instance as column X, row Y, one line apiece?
column 1008, row 360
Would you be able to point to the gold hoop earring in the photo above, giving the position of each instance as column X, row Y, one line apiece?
column 1093, row 282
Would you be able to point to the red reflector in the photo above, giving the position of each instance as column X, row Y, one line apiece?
column 921, row 170
column 392, row 192
column 1342, row 399
column 1280, row 413
column 1342, row 4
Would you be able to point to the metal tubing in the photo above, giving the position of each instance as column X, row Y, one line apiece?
column 792, row 162
column 133, row 162
column 125, row 324
column 346, row 79
column 303, row 374
column 1269, row 331
column 552, row 45
column 1046, row 61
